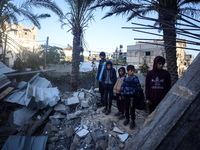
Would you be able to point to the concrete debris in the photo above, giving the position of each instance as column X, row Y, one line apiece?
column 57, row 115
column 115, row 129
column 84, row 104
column 98, row 134
column 62, row 108
column 22, row 115
column 71, row 116
column 72, row 101
column 82, row 133
column 123, row 137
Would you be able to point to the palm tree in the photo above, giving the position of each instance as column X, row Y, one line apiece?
column 10, row 13
column 168, row 11
column 77, row 19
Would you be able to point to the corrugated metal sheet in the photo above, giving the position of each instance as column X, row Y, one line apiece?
column 5, row 69
column 3, row 81
column 17, row 142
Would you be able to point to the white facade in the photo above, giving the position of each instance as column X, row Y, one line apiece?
column 18, row 36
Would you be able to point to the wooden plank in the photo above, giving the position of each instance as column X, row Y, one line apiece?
column 5, row 92
column 171, row 113
column 39, row 122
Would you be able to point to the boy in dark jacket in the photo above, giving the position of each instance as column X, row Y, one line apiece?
column 158, row 83
column 108, row 81
column 117, row 89
column 100, row 69
column 129, row 90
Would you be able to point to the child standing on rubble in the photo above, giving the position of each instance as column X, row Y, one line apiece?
column 117, row 89
column 129, row 90
column 158, row 83
column 100, row 69
column 108, row 81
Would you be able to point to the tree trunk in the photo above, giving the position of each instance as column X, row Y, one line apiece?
column 75, row 59
column 171, row 52
column 167, row 13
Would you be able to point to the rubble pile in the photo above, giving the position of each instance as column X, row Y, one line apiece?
column 67, row 121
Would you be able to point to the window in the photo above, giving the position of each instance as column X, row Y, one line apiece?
column 34, row 37
column 15, row 32
column 25, row 33
column 147, row 53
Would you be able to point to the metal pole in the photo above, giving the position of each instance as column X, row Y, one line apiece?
column 4, row 53
column 45, row 53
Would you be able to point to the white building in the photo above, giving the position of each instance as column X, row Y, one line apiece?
column 16, row 37
column 137, row 54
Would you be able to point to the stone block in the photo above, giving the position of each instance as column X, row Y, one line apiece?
column 82, row 133
column 72, row 101
column 98, row 134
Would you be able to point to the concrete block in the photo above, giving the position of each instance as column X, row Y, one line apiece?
column 82, row 133
column 84, row 104
column 72, row 101
column 97, row 134
column 115, row 129
column 123, row 137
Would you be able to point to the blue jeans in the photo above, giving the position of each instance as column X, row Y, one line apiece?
column 108, row 91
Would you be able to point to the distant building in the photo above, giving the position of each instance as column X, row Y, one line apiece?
column 140, row 53
column 18, row 36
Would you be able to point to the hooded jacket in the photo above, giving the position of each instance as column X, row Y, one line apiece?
column 158, row 82
column 100, row 69
column 112, row 74
column 119, row 81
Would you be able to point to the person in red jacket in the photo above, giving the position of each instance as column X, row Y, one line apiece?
column 158, row 83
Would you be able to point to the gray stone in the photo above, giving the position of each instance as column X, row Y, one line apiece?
column 54, row 128
column 84, row 104
column 88, row 139
column 60, row 107
column 101, row 145
column 71, row 116
column 112, row 141
column 82, row 133
column 22, row 115
column 77, row 113
column 72, row 101
column 98, row 134
column 57, row 115
column 55, row 121
column 123, row 137
column 61, row 133
column 121, row 145
column 107, row 123
column 69, row 131
column 115, row 129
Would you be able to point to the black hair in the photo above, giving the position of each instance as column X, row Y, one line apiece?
column 130, row 67
column 122, row 68
column 102, row 54
column 161, row 59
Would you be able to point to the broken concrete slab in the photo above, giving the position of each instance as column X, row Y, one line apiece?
column 82, row 133
column 72, row 101
column 62, row 108
column 116, row 129
column 85, row 104
column 57, row 115
column 98, row 134
column 22, row 115
column 71, row 116
column 123, row 137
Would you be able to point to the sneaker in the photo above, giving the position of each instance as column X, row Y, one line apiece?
column 107, row 112
column 126, row 122
column 118, row 114
column 104, row 110
column 132, row 125
column 100, row 104
column 121, row 117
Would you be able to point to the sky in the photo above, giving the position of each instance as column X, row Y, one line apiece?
column 101, row 35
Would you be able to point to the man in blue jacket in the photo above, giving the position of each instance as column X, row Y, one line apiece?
column 101, row 67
